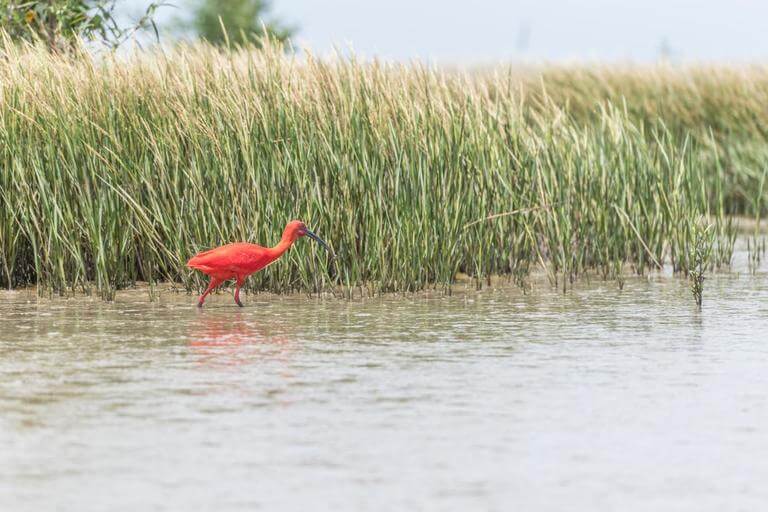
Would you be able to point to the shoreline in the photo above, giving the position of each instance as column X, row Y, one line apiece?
column 464, row 286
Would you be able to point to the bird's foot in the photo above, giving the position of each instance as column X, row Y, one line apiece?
column 237, row 301
column 200, row 304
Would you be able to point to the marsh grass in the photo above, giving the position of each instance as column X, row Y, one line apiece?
column 118, row 169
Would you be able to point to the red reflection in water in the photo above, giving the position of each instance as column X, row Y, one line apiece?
column 235, row 339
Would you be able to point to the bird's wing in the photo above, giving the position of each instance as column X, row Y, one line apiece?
column 237, row 258
column 246, row 258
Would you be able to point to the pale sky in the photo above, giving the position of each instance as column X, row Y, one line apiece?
column 479, row 31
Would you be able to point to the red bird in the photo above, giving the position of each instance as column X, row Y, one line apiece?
column 239, row 260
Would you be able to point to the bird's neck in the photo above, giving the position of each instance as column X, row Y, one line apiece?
column 282, row 246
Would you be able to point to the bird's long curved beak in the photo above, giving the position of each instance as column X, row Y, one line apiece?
column 319, row 240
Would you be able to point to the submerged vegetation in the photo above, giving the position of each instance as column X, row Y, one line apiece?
column 118, row 169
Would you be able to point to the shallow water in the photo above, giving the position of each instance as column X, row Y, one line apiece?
column 599, row 399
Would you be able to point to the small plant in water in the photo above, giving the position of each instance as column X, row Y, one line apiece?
column 755, row 251
column 702, row 247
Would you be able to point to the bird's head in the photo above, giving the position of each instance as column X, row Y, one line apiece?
column 296, row 229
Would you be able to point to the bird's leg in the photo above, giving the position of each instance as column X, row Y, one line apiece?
column 239, row 283
column 213, row 284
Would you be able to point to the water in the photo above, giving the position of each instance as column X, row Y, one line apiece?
column 600, row 399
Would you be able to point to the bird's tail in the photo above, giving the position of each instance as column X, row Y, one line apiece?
column 198, row 261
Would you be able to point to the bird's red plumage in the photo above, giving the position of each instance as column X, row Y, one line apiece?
column 241, row 259
column 233, row 260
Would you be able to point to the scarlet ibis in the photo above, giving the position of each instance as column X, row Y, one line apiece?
column 239, row 260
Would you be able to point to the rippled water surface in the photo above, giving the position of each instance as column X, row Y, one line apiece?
column 598, row 399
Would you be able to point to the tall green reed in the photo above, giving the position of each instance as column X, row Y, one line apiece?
column 118, row 170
